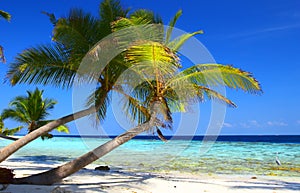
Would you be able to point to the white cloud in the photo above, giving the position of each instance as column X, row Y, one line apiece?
column 250, row 124
column 227, row 125
column 277, row 123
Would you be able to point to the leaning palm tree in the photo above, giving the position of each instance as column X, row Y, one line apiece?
column 31, row 111
column 57, row 63
column 163, row 88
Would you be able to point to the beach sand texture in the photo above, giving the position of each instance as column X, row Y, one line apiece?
column 90, row 181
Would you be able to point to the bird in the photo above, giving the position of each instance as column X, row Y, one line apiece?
column 277, row 160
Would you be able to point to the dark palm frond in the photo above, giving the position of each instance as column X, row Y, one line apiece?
column 2, row 57
column 79, row 31
column 171, row 26
column 167, row 114
column 100, row 98
column 45, row 64
column 133, row 107
column 176, row 101
column 110, row 11
column 5, row 15
column 18, row 116
column 51, row 16
column 160, row 135
column 211, row 94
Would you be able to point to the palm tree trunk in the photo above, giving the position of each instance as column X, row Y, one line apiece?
column 13, row 147
column 57, row 174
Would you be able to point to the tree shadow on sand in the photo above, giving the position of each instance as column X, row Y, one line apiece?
column 269, row 185
column 112, row 179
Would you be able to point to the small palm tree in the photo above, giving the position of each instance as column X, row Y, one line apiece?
column 32, row 111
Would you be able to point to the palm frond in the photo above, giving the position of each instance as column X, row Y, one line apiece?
column 171, row 26
column 110, row 11
column 51, row 16
column 7, row 131
column 79, row 31
column 2, row 57
column 140, row 25
column 133, row 108
column 62, row 128
column 145, row 17
column 5, row 15
column 152, row 58
column 216, row 75
column 211, row 94
column 45, row 64
column 176, row 44
column 100, row 98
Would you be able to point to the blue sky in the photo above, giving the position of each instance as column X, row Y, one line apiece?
column 258, row 36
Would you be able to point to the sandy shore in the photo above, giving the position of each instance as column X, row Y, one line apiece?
column 90, row 181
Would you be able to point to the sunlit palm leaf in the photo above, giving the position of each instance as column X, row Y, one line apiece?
column 171, row 26
column 216, row 75
column 152, row 58
column 176, row 44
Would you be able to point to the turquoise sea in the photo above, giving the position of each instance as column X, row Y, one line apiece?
column 243, row 155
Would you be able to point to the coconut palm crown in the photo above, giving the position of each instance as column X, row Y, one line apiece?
column 32, row 111
column 156, row 66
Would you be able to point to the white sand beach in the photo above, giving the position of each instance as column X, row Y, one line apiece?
column 90, row 181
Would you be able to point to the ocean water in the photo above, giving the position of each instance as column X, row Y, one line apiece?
column 242, row 155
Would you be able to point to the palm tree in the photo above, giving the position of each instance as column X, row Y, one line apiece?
column 43, row 64
column 162, row 90
column 7, row 17
column 57, row 63
column 32, row 111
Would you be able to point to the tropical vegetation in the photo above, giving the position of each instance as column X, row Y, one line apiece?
column 5, row 132
column 57, row 63
column 30, row 110
column 158, row 85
